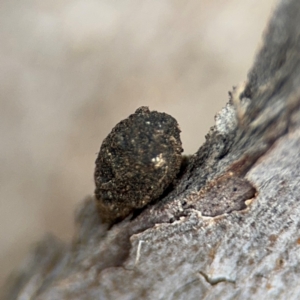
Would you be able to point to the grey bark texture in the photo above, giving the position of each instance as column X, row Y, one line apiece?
column 228, row 230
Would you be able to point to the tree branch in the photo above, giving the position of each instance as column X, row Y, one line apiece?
column 229, row 228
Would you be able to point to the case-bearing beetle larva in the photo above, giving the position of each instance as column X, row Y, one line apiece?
column 137, row 161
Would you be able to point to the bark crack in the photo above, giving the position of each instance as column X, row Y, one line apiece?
column 214, row 281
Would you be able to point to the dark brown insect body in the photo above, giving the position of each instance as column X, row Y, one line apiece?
column 136, row 163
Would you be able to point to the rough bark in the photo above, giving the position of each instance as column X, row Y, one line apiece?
column 228, row 230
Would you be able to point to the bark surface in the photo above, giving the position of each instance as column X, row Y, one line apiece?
column 230, row 227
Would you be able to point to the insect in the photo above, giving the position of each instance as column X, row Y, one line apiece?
column 137, row 161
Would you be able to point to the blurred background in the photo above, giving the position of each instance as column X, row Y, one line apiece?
column 72, row 69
